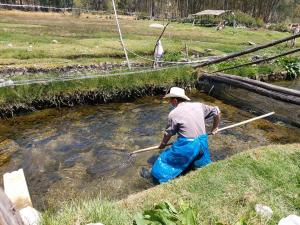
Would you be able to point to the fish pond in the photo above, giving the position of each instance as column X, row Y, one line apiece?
column 83, row 151
column 292, row 84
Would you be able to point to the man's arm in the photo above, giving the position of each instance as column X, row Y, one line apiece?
column 217, row 119
column 164, row 141
column 170, row 130
column 212, row 111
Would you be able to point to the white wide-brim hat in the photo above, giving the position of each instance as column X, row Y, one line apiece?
column 176, row 92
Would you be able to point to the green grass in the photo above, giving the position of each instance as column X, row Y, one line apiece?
column 94, row 39
column 106, row 86
column 224, row 192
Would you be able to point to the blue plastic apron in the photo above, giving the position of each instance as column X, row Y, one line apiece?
column 173, row 161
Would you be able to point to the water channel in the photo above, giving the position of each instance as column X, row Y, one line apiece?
column 293, row 84
column 77, row 152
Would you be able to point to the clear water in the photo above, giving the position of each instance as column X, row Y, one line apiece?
column 78, row 152
column 293, row 84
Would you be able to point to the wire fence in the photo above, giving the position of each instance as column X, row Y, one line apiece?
column 50, row 8
column 10, row 83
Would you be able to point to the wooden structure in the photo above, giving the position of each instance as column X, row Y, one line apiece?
column 253, row 95
column 8, row 213
column 207, row 14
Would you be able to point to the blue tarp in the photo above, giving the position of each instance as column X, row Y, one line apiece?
column 176, row 159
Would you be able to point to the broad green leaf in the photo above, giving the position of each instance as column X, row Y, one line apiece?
column 188, row 218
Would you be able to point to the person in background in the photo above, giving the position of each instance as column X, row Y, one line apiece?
column 187, row 120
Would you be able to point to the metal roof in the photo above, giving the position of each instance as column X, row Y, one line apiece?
column 211, row 12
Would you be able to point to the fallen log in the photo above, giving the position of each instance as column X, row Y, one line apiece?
column 257, row 87
column 271, row 87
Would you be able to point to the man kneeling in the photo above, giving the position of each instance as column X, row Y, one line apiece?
column 187, row 120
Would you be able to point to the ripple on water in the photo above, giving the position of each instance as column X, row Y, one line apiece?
column 83, row 150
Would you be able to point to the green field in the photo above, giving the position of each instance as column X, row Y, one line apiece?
column 27, row 39
column 223, row 193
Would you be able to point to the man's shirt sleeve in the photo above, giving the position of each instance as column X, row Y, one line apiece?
column 172, row 126
column 210, row 111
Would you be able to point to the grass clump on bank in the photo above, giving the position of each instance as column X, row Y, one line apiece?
column 225, row 192
column 95, row 90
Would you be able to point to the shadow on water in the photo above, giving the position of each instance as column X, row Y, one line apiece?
column 292, row 84
column 82, row 151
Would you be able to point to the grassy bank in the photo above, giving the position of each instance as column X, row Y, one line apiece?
column 223, row 193
column 46, row 40
column 92, row 90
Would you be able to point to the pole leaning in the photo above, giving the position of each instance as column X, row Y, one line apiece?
column 120, row 34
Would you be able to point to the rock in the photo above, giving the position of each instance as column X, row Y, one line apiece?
column 30, row 216
column 290, row 220
column 208, row 50
column 10, row 45
column 264, row 211
column 5, row 157
column 29, row 49
column 156, row 25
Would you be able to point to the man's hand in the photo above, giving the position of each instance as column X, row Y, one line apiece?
column 215, row 131
column 217, row 119
column 164, row 141
column 162, row 145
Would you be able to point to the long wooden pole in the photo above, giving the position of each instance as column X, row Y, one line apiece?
column 247, row 51
column 224, row 128
column 246, row 121
column 120, row 34
column 160, row 36
column 260, row 61
column 147, row 149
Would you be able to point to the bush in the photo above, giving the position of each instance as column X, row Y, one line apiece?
column 282, row 27
column 292, row 67
column 245, row 19
column 143, row 16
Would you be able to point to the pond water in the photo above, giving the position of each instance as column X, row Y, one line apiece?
column 82, row 151
column 293, row 84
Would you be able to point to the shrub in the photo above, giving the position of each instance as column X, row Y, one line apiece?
column 282, row 27
column 143, row 16
column 292, row 67
column 246, row 19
